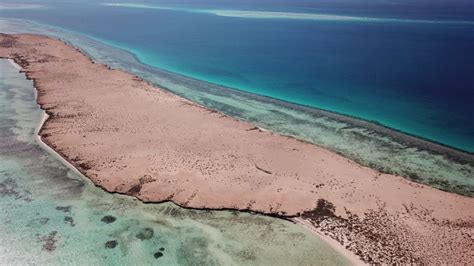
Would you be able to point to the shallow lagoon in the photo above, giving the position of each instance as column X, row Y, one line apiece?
column 52, row 215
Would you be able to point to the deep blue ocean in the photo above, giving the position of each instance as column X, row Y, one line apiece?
column 408, row 65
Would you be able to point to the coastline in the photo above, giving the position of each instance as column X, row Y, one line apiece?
column 359, row 143
column 451, row 152
column 331, row 242
column 53, row 184
column 15, row 64
column 268, row 136
column 411, row 139
column 457, row 158
column 51, row 151
column 354, row 259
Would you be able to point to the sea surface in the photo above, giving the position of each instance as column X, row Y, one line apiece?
column 51, row 215
column 404, row 64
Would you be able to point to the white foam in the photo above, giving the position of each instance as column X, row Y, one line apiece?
column 18, row 6
column 323, row 17
column 250, row 14
column 145, row 6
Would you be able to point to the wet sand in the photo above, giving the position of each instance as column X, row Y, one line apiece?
column 132, row 138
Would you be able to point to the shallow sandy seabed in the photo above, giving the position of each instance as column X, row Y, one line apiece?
column 130, row 137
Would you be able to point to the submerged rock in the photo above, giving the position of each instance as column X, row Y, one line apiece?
column 64, row 208
column 49, row 241
column 38, row 221
column 9, row 188
column 158, row 254
column 145, row 234
column 111, row 244
column 69, row 220
column 108, row 219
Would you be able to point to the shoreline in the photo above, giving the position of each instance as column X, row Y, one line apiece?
column 79, row 193
column 440, row 168
column 437, row 147
column 51, row 151
column 345, row 185
column 353, row 259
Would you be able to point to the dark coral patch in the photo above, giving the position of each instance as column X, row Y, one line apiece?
column 145, row 234
column 64, row 208
column 49, row 241
column 69, row 220
column 111, row 244
column 38, row 221
column 108, row 219
column 158, row 254
column 9, row 188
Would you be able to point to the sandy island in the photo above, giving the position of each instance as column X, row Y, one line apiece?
column 130, row 137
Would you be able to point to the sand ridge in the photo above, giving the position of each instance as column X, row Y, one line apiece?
column 130, row 137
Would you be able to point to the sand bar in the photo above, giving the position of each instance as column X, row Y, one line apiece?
column 132, row 138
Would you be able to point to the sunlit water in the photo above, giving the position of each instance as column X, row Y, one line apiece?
column 51, row 215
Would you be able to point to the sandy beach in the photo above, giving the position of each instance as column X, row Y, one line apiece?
column 130, row 137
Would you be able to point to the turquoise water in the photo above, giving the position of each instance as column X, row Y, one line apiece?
column 50, row 215
column 380, row 150
column 407, row 66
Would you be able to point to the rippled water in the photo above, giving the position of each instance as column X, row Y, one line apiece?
column 49, row 214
